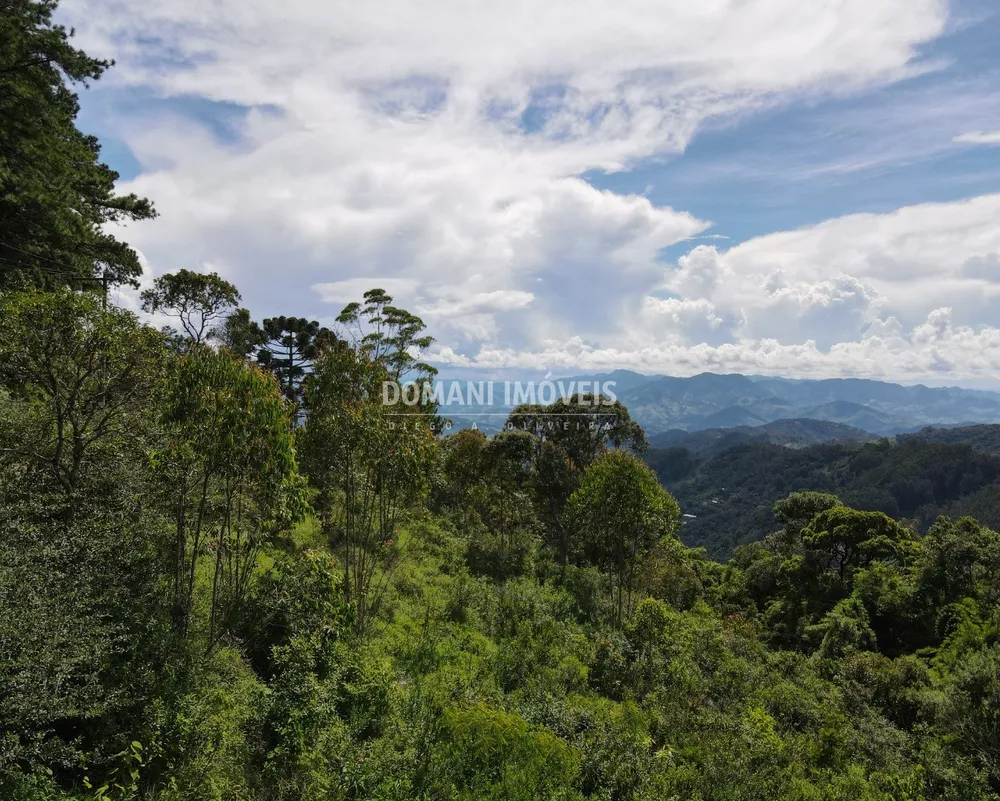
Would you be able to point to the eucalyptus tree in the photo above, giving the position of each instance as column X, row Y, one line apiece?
column 199, row 301
column 369, row 464
column 569, row 435
column 582, row 426
column 231, row 476
column 389, row 335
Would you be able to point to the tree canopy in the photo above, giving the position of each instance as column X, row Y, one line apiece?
column 55, row 194
column 230, row 570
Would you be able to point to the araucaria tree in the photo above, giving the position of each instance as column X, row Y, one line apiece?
column 619, row 513
column 289, row 346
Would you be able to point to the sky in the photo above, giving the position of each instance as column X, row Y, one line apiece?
column 806, row 189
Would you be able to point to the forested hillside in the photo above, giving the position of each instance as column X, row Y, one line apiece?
column 981, row 438
column 731, row 493
column 229, row 571
column 790, row 433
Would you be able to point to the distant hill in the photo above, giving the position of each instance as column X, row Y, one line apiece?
column 798, row 433
column 856, row 415
column 731, row 492
column 708, row 400
column 981, row 438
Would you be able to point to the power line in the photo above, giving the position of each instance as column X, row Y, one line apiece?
column 102, row 279
column 38, row 256
column 50, row 271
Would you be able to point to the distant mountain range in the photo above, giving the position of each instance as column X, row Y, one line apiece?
column 710, row 401
column 664, row 405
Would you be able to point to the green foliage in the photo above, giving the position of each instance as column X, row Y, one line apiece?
column 83, row 380
column 197, row 300
column 288, row 347
column 230, row 474
column 505, row 617
column 368, row 465
column 82, row 635
column 620, row 512
column 388, row 335
column 55, row 195
column 485, row 753
column 732, row 494
column 845, row 540
column 581, row 426
column 800, row 508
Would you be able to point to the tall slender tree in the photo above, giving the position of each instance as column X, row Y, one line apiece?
column 389, row 335
column 230, row 473
column 619, row 513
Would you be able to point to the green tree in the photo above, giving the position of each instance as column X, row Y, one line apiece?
column 241, row 334
column 958, row 559
column 569, row 435
column 582, row 426
column 290, row 345
column 504, row 543
column 554, row 478
column 231, row 476
column 795, row 513
column 463, row 464
column 389, row 335
column 55, row 194
column 197, row 300
column 620, row 512
column 842, row 540
column 368, row 464
column 88, row 378
column 82, row 619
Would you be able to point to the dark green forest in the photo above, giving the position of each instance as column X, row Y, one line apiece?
column 915, row 478
column 229, row 571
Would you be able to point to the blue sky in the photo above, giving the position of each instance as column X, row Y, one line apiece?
column 764, row 186
column 820, row 158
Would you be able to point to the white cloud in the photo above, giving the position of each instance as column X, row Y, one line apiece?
column 935, row 350
column 439, row 150
column 913, row 305
column 979, row 138
column 904, row 263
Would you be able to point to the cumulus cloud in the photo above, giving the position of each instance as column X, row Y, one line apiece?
column 913, row 305
column 935, row 348
column 441, row 151
column 904, row 263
